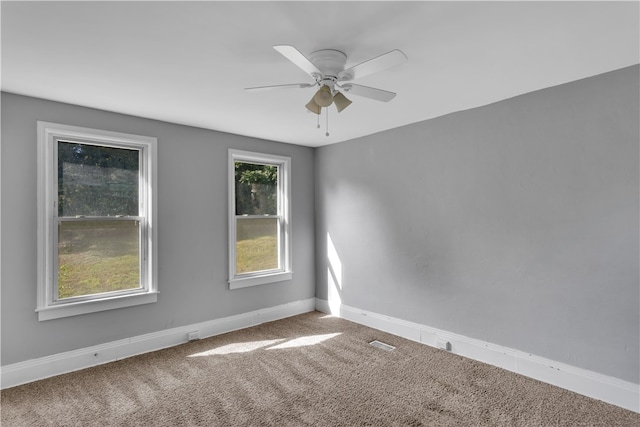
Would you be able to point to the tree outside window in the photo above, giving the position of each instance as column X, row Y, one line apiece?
column 260, row 216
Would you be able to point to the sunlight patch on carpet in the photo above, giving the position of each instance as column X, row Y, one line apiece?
column 277, row 344
column 304, row 341
column 241, row 347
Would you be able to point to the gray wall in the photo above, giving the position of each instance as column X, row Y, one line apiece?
column 192, row 236
column 515, row 223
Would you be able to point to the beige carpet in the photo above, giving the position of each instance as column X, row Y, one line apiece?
column 308, row 370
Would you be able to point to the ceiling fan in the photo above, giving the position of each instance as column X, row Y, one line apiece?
column 327, row 68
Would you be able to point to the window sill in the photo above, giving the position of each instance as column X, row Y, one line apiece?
column 245, row 282
column 84, row 307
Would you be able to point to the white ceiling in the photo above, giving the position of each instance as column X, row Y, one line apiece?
column 188, row 62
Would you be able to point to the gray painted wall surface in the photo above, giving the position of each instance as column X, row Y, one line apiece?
column 192, row 208
column 515, row 223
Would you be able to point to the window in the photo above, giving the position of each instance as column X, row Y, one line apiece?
column 96, row 220
column 259, row 237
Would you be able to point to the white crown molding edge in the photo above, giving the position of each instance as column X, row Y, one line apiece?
column 608, row 389
column 48, row 366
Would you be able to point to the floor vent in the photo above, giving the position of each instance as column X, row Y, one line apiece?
column 382, row 346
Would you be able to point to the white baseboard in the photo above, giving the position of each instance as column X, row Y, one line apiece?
column 48, row 366
column 588, row 383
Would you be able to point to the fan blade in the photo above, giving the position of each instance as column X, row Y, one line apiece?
column 294, row 55
column 368, row 92
column 289, row 86
column 379, row 63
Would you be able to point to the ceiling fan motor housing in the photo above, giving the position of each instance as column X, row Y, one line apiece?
column 331, row 63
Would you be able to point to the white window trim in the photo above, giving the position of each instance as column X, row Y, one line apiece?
column 269, row 276
column 48, row 135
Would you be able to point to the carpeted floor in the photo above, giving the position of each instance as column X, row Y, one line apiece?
column 307, row 370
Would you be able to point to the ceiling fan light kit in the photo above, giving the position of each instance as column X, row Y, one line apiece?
column 341, row 101
column 323, row 96
column 327, row 68
column 313, row 107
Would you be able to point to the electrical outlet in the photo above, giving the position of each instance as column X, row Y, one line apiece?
column 443, row 344
column 192, row 336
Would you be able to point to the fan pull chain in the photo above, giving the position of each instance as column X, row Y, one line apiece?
column 318, row 121
column 327, row 134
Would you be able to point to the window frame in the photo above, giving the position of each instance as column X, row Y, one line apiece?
column 48, row 305
column 284, row 271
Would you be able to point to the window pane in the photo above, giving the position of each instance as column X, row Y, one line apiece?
column 256, row 244
column 97, row 256
column 97, row 180
column 256, row 189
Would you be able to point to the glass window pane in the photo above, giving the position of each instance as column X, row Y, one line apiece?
column 256, row 244
column 97, row 256
column 96, row 180
column 256, row 189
